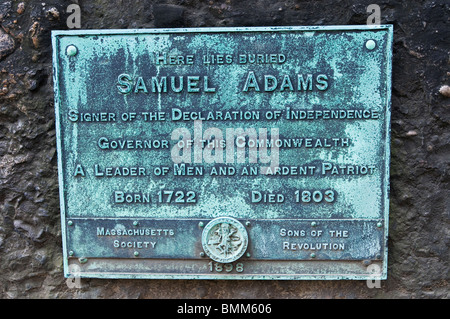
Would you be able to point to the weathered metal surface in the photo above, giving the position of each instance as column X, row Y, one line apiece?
column 284, row 129
column 246, row 268
column 271, row 239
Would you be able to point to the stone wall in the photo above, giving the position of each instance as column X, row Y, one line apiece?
column 30, row 232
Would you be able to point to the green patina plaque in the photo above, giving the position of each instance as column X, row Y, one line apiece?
column 224, row 153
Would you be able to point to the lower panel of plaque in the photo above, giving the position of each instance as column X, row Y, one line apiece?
column 241, row 269
column 226, row 248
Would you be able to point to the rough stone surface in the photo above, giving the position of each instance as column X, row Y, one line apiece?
column 6, row 44
column 30, row 232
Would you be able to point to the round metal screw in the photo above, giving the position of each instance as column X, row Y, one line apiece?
column 313, row 255
column 202, row 254
column 370, row 45
column 379, row 225
column 247, row 223
column 201, row 224
column 70, row 223
column 135, row 223
column 70, row 252
column 248, row 255
column 71, row 50
column 366, row 262
column 136, row 253
column 313, row 224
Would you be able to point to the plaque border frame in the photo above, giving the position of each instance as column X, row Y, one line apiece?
column 55, row 34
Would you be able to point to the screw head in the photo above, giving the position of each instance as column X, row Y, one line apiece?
column 201, row 224
column 70, row 252
column 379, row 224
column 248, row 255
column 366, row 262
column 136, row 253
column 313, row 224
column 247, row 223
column 370, row 44
column 71, row 50
column 135, row 223
column 70, row 223
column 313, row 255
column 202, row 254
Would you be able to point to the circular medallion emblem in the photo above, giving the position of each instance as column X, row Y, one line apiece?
column 224, row 239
